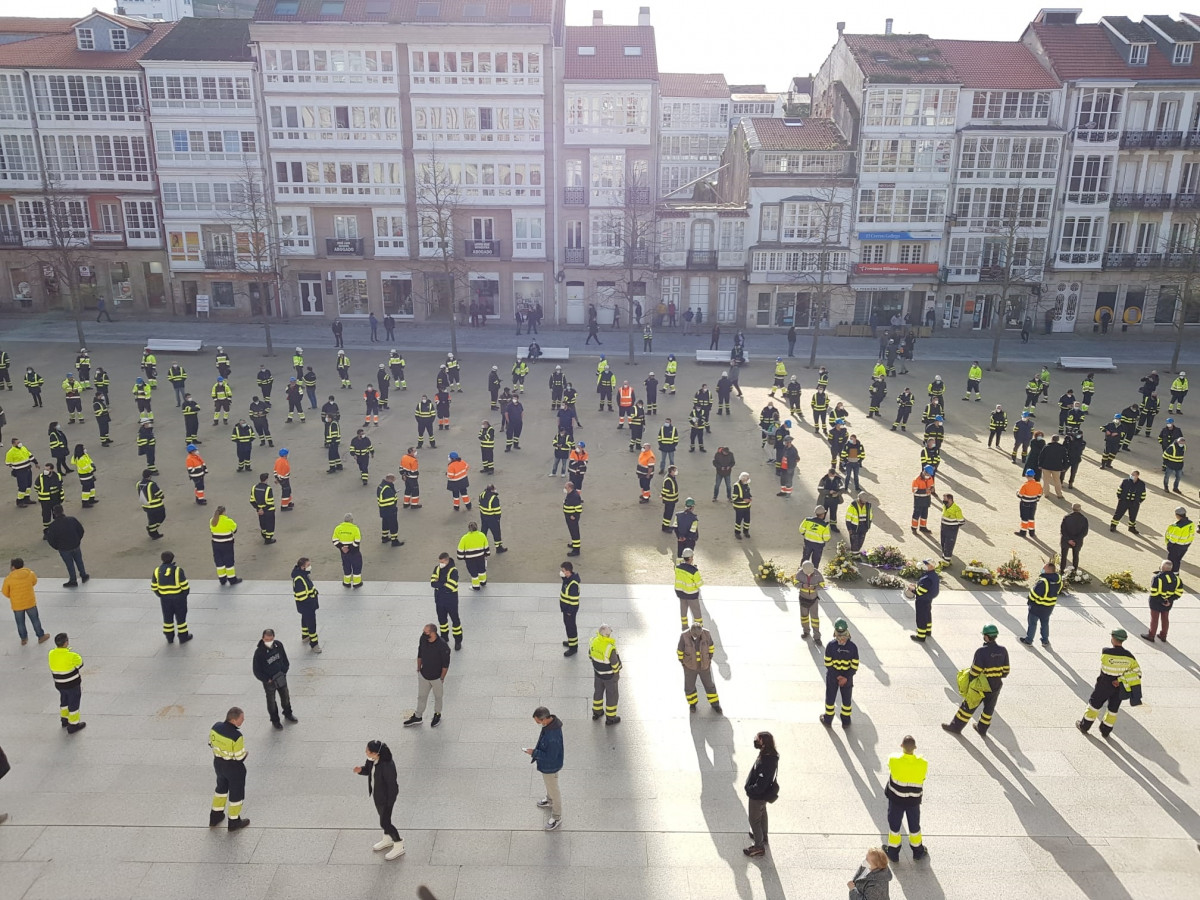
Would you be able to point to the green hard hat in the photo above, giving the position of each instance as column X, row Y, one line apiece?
column 990, row 630
column 1120, row 634
column 840, row 626
column 689, row 502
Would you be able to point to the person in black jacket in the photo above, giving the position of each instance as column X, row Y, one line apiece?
column 1052, row 462
column 270, row 667
column 761, row 789
column 383, row 788
column 1073, row 530
column 65, row 534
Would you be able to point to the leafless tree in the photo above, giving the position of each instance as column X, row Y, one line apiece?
column 634, row 239
column 63, row 240
column 439, row 201
column 257, row 242
column 1180, row 277
column 1011, row 265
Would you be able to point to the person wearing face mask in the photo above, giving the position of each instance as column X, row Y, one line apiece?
column 271, row 667
column 762, row 787
column 305, row 594
column 568, row 605
column 383, row 788
column 870, row 882
column 433, row 662
column 445, row 598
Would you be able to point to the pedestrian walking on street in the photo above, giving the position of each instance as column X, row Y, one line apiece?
column 841, row 663
column 348, row 539
column 695, row 650
column 924, row 592
column 433, row 662
column 271, row 667
column 102, row 309
column 905, row 788
column 809, row 581
column 65, row 535
column 870, row 881
column 305, row 593
column 229, row 762
column 170, row 585
column 761, row 787
column 65, row 664
column 1120, row 676
column 1072, row 531
column 1165, row 588
column 1043, row 597
column 1180, row 535
column 547, row 755
column 985, row 678
column 18, row 588
column 384, row 789
column 606, row 668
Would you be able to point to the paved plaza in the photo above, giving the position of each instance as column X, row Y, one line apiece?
column 654, row 807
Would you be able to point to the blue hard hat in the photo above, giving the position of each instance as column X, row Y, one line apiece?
column 283, row 452
column 670, row 356
column 788, row 423
column 779, row 359
column 1029, row 473
column 453, row 455
column 293, row 378
column 840, row 422
column 222, row 378
column 602, row 356
column 140, row 381
column 581, row 444
column 928, row 470
column 1024, row 415
column 191, row 447
column 1170, row 421
column 938, row 419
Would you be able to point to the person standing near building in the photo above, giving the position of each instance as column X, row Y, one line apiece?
column 923, row 487
column 153, row 501
column 606, row 666
column 177, row 376
column 1072, row 531
column 295, row 399
column 547, row 755
column 905, row 788
column 1165, row 588
column 651, row 385
column 445, row 599
column 33, row 384
column 348, row 539
column 761, row 787
column 841, row 662
column 65, row 664
column 383, row 788
column 974, row 377
column 1180, row 535
column 1179, row 390
column 1029, row 494
column 332, row 442
column 363, row 450
column 433, row 662
column 229, row 762
column 223, row 529
column 18, row 588
column 74, row 396
column 65, row 535
column 271, row 666
column 568, row 605
column 668, row 440
column 577, row 464
column 991, row 664
column 1043, row 597
column 695, row 650
column 1119, row 675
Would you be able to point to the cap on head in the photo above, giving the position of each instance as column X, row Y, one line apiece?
column 1180, row 511
column 990, row 630
column 779, row 359
column 841, row 627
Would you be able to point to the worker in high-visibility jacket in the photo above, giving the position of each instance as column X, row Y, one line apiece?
column 425, row 413
column 1028, row 495
column 1165, row 588
column 153, row 501
column 457, row 483
column 385, row 499
column 196, row 470
column 687, row 588
column 222, row 396
column 363, row 450
column 473, row 550
column 816, row 532
column 841, row 662
column 445, row 599
column 306, row 596
column 1172, row 463
column 1120, row 676
column 333, row 445
column 1180, row 535
column 73, row 389
column 298, row 363
column 670, row 496
column 974, row 377
column 672, row 369
column 991, row 664
column 606, row 667
column 283, row 478
column 1179, row 390
column 222, row 529
column 262, row 501
column 65, row 664
column 645, row 471
column 20, row 461
column 170, row 585
column 905, row 788
column 348, row 539
column 695, row 651
column 568, row 605
column 624, row 404
column 229, row 762
column 489, row 516
column 780, row 375
column 924, row 591
column 1043, row 597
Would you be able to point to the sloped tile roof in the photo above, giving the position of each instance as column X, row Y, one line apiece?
column 802, row 134
column 673, row 84
column 1181, row 32
column 900, row 58
column 30, row 25
column 1002, row 65
column 1085, row 51
column 216, row 40
column 609, row 63
column 59, row 51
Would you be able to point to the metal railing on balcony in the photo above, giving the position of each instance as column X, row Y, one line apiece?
column 1187, row 201
column 637, row 257
column 1132, row 260
column 1192, row 140
column 637, row 196
column 1181, row 260
column 1096, row 135
column 1079, row 257
column 575, row 256
column 10, row 237
column 343, row 246
column 1151, row 140
column 702, row 259
column 1141, row 201
column 220, row 260
column 481, row 249
column 574, row 196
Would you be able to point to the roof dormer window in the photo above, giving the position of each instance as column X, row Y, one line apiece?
column 85, row 39
column 633, row 51
column 1139, row 54
column 1183, row 55
column 587, row 51
column 119, row 38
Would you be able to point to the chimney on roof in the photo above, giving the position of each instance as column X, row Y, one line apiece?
column 644, row 16
column 597, row 17
column 841, row 26
column 887, row 26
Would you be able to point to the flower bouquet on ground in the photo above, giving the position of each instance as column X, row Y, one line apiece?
column 886, row 580
column 886, row 556
column 1078, row 576
column 770, row 572
column 1013, row 570
column 911, row 570
column 979, row 573
column 843, row 566
column 1122, row 582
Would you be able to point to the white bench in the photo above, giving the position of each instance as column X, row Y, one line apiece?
column 170, row 346
column 1088, row 363
column 547, row 353
column 718, row 356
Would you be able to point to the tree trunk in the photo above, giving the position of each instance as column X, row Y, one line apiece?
column 632, row 356
column 267, row 334
column 77, row 312
column 812, row 351
column 453, row 313
column 1178, row 343
column 995, row 366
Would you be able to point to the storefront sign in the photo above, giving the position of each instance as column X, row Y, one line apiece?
column 202, row 304
column 895, row 268
column 896, row 236
column 867, row 288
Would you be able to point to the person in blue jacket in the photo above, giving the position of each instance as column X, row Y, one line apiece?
column 548, row 757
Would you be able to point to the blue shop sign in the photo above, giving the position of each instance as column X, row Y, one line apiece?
column 896, row 236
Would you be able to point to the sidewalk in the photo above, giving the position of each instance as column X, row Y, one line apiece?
column 315, row 333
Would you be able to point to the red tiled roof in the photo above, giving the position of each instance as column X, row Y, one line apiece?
column 673, row 84
column 803, row 134
column 609, row 63
column 30, row 25
column 59, row 51
column 1085, row 51
column 1004, row 65
column 907, row 58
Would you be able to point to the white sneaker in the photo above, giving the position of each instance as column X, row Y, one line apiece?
column 384, row 844
column 544, row 803
column 553, row 824
column 397, row 850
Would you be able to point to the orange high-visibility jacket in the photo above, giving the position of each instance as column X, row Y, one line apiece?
column 457, row 470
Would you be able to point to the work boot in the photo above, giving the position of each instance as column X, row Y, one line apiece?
column 919, row 852
column 827, row 721
column 185, row 637
column 216, row 817
column 1084, row 725
column 290, row 718
column 238, row 824
column 817, row 638
column 981, row 729
column 570, row 651
column 596, row 716
column 1105, row 730
column 79, row 726
column 458, row 643
column 893, row 853
column 612, row 720
column 952, row 727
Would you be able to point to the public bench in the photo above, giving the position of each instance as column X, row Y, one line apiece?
column 718, row 356
column 1088, row 363
column 159, row 345
column 547, row 353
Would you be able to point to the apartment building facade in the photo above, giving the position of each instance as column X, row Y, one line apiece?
column 78, row 196
column 693, row 127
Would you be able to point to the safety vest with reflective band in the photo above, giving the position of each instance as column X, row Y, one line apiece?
column 262, row 497
column 149, row 359
column 409, row 468
column 347, row 534
column 1183, row 532
column 672, row 367
column 57, row 440
column 444, row 580
column 49, row 486
column 140, row 391
column 71, row 388
column 668, row 435
column 936, row 388
column 1134, row 491
column 815, row 530
column 487, row 437
column 227, row 742
column 451, row 365
column 360, row 445
column 310, row 378
column 991, row 662
column 221, row 359
column 456, row 470
column 297, row 360
column 906, row 777
column 489, row 503
column 879, row 372
column 190, row 408
column 1117, row 662
column 195, row 466
column 84, row 465
column 99, row 407
column 573, row 504
column 1030, row 492
column 569, row 594
column 562, row 444
column 602, row 651
column 1066, row 401
column 1166, row 587
column 150, row 494
column 283, row 468
column 34, row 380
column 608, row 379
column 858, row 515
column 974, row 373
column 999, row 421
column 645, row 463
column 425, row 409
column 333, row 434
column 1150, row 406
column 242, row 433
column 625, row 396
column 577, row 462
column 396, row 360
column 841, row 659
column 1045, row 590
column 780, row 370
column 952, row 515
column 855, row 452
column 695, row 653
column 168, row 580
column 688, row 580
column 1179, row 384
column 65, row 664
column 264, row 377
column 637, row 418
column 473, row 545
column 741, row 496
column 303, row 587
column 520, row 368
column 385, row 495
column 4, row 363
column 145, row 436
column 176, row 373
column 687, row 525
column 224, row 530
column 222, row 391
column 670, row 489
column 819, row 401
column 1173, row 456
